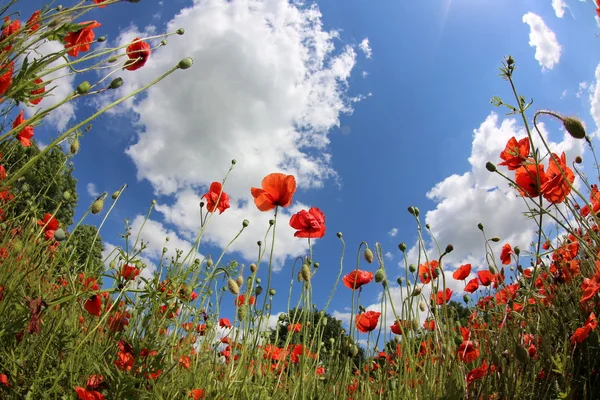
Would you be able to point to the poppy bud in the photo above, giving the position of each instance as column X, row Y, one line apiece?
column 317, row 265
column 116, row 83
column 97, row 205
column 412, row 268
column 368, row 255
column 416, row 291
column 272, row 292
column 339, row 235
column 112, row 264
column 324, row 321
column 60, row 235
column 233, row 286
column 253, row 268
column 75, row 146
column 517, row 250
column 449, row 249
column 332, row 340
column 112, row 60
column 480, row 226
column 259, row 243
column 101, row 39
column 438, row 271
column 242, row 313
column 305, row 272
column 180, row 31
column 354, row 350
column 239, row 280
column 490, row 167
column 578, row 159
column 258, row 290
column 422, row 306
column 522, row 355
column 209, row 263
column 399, row 280
column 83, row 88
column 258, row 280
column 163, row 42
column 458, row 340
column 271, row 222
column 574, row 127
column 402, row 247
column 493, row 269
column 413, row 211
column 495, row 239
column 466, row 298
column 185, row 63
column 115, row 195
column 6, row 24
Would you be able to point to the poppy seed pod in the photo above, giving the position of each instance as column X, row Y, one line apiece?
column 368, row 255
column 97, row 205
column 379, row 275
column 305, row 272
column 574, row 126
column 233, row 286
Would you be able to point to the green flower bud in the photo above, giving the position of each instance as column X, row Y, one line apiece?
column 272, row 292
column 101, row 39
column 339, row 235
column 258, row 290
column 317, row 265
column 185, row 63
column 416, row 291
column 233, row 286
column 83, row 88
column 245, row 223
column 466, row 298
column 67, row 195
column 490, row 167
column 574, row 126
column 402, row 247
column 116, row 83
column 305, row 272
column 368, row 255
column 239, row 280
column 449, row 248
column 379, row 275
column 480, row 226
column 253, row 268
column 324, row 321
column 163, row 42
column 97, row 205
column 209, row 263
column 493, row 269
column 258, row 280
column 412, row 268
column 422, row 306
column 495, row 239
column 400, row 281
column 180, row 31
column 60, row 235
column 517, row 250
column 75, row 146
column 282, row 317
column 458, row 340
column 115, row 195
column 112, row 59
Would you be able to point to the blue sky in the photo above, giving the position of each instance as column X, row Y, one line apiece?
column 368, row 130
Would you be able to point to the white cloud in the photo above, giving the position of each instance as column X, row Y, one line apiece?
column 63, row 86
column 389, row 255
column 583, row 86
column 92, row 190
column 564, row 94
column 478, row 196
column 266, row 88
column 547, row 48
column 393, row 232
column 559, row 7
column 366, row 48
column 595, row 100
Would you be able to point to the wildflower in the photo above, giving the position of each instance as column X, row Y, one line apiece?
column 124, row 361
column 505, row 254
column 429, row 325
column 320, row 370
column 582, row 333
column 485, row 277
column 213, row 195
column 10, row 30
column 530, row 179
column 356, row 279
column 94, row 382
column 185, row 361
column 427, row 271
column 197, row 394
column 84, row 394
column 32, row 24
column 50, row 225
column 241, row 300
column 477, row 373
column 37, row 92
column 309, row 224
column 94, row 305
column 443, row 296
column 80, row 40
column 277, row 190
column 4, row 380
column 294, row 327
column 24, row 135
column 129, row 272
column 594, row 200
column 557, row 188
column 515, row 153
column 367, row 321
column 462, row 272
column 399, row 326
column 224, row 323
column 100, row 2
column 468, row 352
column 6, row 77
column 138, row 52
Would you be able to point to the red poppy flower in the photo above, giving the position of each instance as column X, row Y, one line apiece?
column 81, row 40
column 35, row 94
column 356, row 279
column 224, row 323
column 427, row 271
column 6, row 77
column 138, row 52
column 10, row 30
column 505, row 254
column 468, row 352
column 294, row 327
column 100, row 2
column 594, row 200
column 84, row 394
column 24, row 135
column 185, row 361
column 94, row 305
column 442, row 296
column 129, row 272
column 526, row 178
column 477, row 373
column 277, row 190
column 94, row 381
column 472, row 285
column 4, row 380
column 485, row 277
column 213, row 195
column 50, row 225
column 320, row 370
column 124, row 361
column 309, row 224
column 515, row 153
column 32, row 23
column 241, row 300
column 399, row 327
column 367, row 321
column 429, row 325
column 557, row 188
column 462, row 272
column 197, row 394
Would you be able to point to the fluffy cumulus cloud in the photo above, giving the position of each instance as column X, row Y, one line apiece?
column 478, row 196
column 547, row 48
column 267, row 86
column 559, row 7
column 393, row 232
column 366, row 47
column 595, row 100
column 92, row 189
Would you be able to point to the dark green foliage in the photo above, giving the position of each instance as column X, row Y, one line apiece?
column 82, row 239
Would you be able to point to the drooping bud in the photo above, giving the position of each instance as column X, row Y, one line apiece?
column 400, row 281
column 517, row 250
column 180, row 31
column 258, row 290
column 493, row 269
column 305, row 272
column 272, row 292
column 116, row 83
column 209, row 263
column 422, row 306
column 324, row 321
column 233, row 286
column 413, row 211
column 97, row 205
column 258, row 280
column 416, row 291
column 449, row 248
column 578, row 159
column 368, row 255
column 317, row 265
column 495, row 239
column 239, row 280
column 115, row 195
column 574, row 126
column 185, row 63
column 490, row 167
column 379, row 275
column 339, row 235
column 83, row 88
column 75, row 146
column 253, row 268
column 480, row 226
